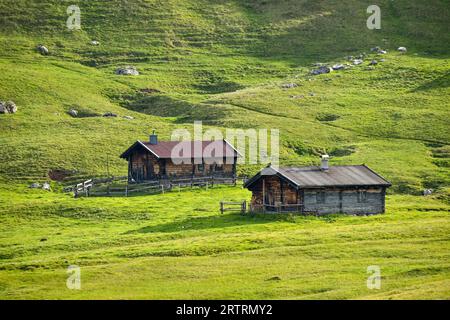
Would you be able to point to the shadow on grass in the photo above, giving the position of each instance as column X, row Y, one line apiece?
column 442, row 82
column 211, row 222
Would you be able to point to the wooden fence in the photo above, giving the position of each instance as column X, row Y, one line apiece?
column 278, row 208
column 233, row 206
column 122, row 187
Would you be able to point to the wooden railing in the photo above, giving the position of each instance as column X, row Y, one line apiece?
column 277, row 208
column 233, row 206
column 121, row 186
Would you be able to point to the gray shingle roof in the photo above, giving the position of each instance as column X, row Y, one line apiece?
column 335, row 176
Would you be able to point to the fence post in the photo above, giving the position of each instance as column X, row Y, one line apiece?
column 221, row 207
column 126, row 190
column 212, row 181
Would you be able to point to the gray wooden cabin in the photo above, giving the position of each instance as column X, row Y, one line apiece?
column 352, row 189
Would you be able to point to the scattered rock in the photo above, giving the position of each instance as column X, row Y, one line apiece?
column 357, row 61
column 43, row 239
column 373, row 62
column 297, row 97
column 289, row 85
column 128, row 117
column 338, row 67
column 43, row 50
column 8, row 107
column 73, row 113
column 127, row 71
column 312, row 94
column 427, row 192
column 378, row 50
column 276, row 278
column 321, row 70
column 382, row 60
column 3, row 108
column 46, row 186
column 95, row 43
column 402, row 49
column 35, row 185
column 109, row 114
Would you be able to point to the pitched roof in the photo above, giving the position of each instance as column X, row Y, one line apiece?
column 164, row 149
column 315, row 177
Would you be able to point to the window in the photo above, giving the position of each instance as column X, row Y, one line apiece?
column 200, row 167
column 320, row 197
column 362, row 196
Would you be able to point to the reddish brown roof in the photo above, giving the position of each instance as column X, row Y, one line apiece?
column 193, row 149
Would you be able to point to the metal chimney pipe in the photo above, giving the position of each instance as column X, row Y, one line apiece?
column 324, row 162
column 153, row 138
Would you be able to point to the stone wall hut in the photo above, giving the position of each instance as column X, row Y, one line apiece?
column 351, row 189
column 153, row 159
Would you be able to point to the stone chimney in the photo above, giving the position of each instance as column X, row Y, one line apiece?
column 324, row 162
column 153, row 138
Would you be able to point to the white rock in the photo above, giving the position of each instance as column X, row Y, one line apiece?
column 46, row 186
column 127, row 71
column 402, row 49
column 43, row 50
column 338, row 67
column 357, row 62
column 95, row 43
column 73, row 112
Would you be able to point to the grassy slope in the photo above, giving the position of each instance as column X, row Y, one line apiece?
column 219, row 61
column 177, row 246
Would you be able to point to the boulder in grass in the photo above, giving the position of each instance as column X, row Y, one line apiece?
column 73, row 113
column 35, row 185
column 43, row 50
column 321, row 70
column 109, row 114
column 128, row 117
column 46, row 186
column 357, row 62
column 402, row 49
column 11, row 106
column 8, row 107
column 338, row 67
column 127, row 71
column 95, row 43
column 289, row 85
column 3, row 108
column 373, row 62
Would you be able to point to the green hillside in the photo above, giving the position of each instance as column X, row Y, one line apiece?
column 225, row 63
